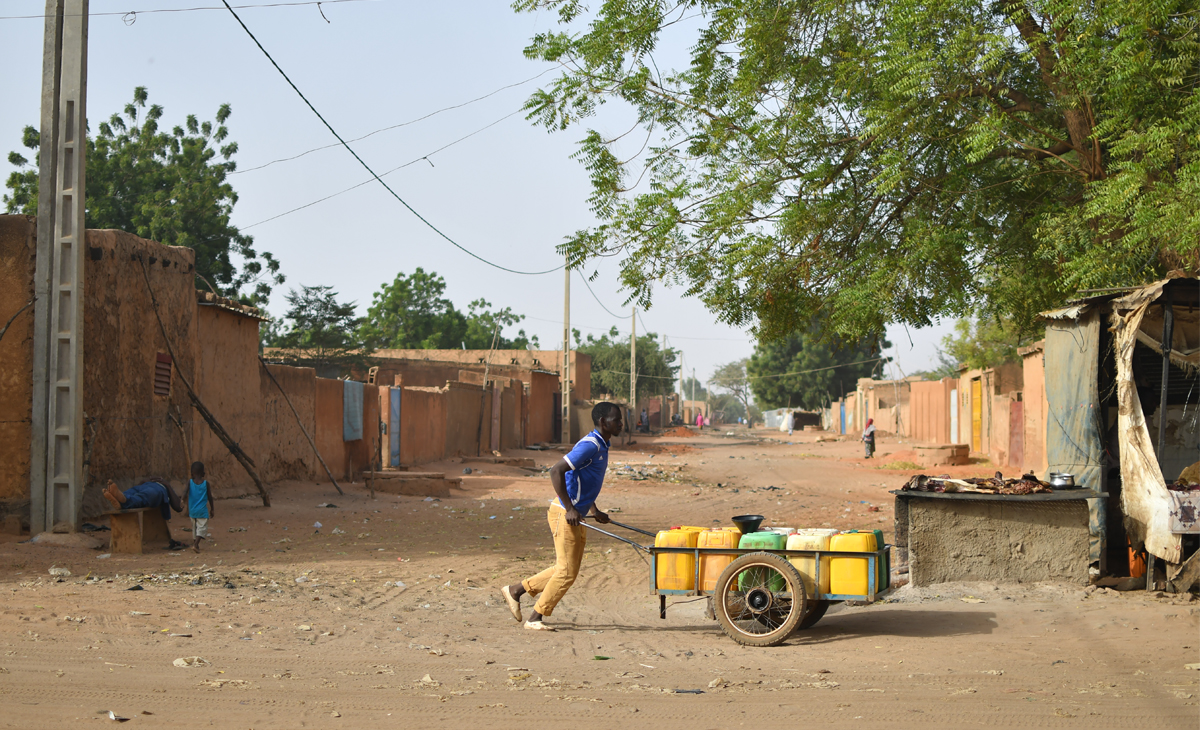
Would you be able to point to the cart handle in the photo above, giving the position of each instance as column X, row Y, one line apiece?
column 616, row 537
column 634, row 529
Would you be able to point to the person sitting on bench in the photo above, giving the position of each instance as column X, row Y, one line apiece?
column 152, row 493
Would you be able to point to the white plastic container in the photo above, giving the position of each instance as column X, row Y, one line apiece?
column 809, row 540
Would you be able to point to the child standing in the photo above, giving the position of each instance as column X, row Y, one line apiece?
column 199, row 501
column 577, row 479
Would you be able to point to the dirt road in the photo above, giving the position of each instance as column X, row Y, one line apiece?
column 300, row 627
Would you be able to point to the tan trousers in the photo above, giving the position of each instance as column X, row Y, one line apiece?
column 552, row 583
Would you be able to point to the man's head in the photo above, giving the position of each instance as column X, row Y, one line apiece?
column 607, row 417
column 198, row 471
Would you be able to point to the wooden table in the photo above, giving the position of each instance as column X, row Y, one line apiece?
column 133, row 528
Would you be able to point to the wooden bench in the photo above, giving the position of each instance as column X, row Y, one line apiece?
column 132, row 528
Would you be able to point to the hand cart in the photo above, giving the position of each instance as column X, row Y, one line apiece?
column 760, row 598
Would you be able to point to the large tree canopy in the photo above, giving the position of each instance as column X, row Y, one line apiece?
column 805, row 370
column 893, row 161
column 167, row 186
column 317, row 330
column 411, row 313
column 656, row 367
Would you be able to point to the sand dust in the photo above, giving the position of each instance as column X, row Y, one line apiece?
column 389, row 616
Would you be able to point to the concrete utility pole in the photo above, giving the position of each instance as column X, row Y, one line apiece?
column 681, row 383
column 633, row 360
column 566, row 367
column 56, row 467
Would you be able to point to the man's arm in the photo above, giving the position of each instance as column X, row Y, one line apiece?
column 187, row 500
column 601, row 517
column 558, row 480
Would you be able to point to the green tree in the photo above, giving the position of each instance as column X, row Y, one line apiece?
column 411, row 313
column 947, row 367
column 693, row 389
column 483, row 323
column 820, row 369
column 610, row 364
column 167, row 186
column 985, row 343
column 728, row 406
column 732, row 378
column 893, row 161
column 318, row 330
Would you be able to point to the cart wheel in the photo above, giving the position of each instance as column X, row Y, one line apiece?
column 759, row 599
column 816, row 609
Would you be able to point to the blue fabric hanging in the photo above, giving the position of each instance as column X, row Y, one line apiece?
column 352, row 410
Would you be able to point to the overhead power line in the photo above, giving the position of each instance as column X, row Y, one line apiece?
column 367, row 167
column 758, row 377
column 124, row 13
column 403, row 124
column 589, row 288
column 425, row 157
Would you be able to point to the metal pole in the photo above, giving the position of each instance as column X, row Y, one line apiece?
column 566, row 358
column 47, row 185
column 64, row 405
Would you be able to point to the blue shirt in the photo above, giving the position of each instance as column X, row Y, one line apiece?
column 198, row 500
column 588, row 461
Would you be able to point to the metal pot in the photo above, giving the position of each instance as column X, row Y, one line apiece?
column 1062, row 481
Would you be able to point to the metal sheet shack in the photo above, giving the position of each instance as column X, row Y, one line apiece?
column 1122, row 401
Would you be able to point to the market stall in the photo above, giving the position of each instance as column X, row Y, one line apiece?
column 1000, row 530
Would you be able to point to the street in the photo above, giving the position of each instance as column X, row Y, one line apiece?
column 389, row 615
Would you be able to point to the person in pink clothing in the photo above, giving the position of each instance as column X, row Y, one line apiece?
column 700, row 421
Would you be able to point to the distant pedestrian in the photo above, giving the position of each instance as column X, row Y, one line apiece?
column 199, row 501
column 645, row 422
column 868, row 437
column 700, row 421
column 577, row 479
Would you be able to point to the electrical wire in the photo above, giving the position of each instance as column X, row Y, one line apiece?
column 367, row 167
column 402, row 124
column 589, row 288
column 123, row 13
column 762, row 377
column 389, row 172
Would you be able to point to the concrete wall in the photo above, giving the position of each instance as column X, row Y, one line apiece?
column 230, row 386
column 958, row 540
column 551, row 360
column 1001, row 430
column 289, row 455
column 18, row 247
column 543, row 385
column 468, row 419
column 1033, row 363
column 511, row 431
column 542, row 390
column 929, row 410
column 132, row 437
column 327, row 424
column 887, row 402
column 423, row 425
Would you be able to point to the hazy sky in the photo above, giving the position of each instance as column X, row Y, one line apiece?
column 510, row 192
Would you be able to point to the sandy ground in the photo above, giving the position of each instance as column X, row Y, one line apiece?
column 305, row 628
